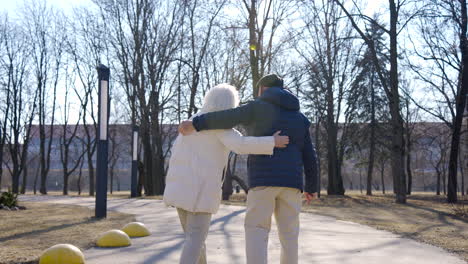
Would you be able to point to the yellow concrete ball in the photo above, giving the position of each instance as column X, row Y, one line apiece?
column 114, row 238
column 62, row 254
column 136, row 229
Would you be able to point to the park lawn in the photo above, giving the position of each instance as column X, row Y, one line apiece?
column 25, row 234
column 425, row 217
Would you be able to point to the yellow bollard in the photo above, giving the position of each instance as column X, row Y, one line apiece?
column 114, row 238
column 136, row 229
column 62, row 254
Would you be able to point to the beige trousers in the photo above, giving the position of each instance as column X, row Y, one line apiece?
column 195, row 226
column 262, row 202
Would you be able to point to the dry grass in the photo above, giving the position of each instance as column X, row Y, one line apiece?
column 25, row 234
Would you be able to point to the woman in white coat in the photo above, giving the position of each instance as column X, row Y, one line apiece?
column 194, row 178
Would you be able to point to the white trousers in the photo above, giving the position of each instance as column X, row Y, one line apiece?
column 195, row 226
column 262, row 202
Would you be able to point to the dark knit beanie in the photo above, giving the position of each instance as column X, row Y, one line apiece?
column 270, row 80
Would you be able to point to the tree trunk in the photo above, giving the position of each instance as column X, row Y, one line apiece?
column 398, row 150
column 193, row 91
column 91, row 142
column 147, row 178
column 1, row 160
column 319, row 176
column 228, row 172
column 462, row 180
column 36, row 176
column 3, row 136
column 390, row 86
column 25, row 173
column 462, row 173
column 91, row 174
column 111, row 180
column 372, row 144
column 159, row 175
column 408, row 163
column 141, row 178
column 254, row 46
column 227, row 184
column 438, row 183
column 15, row 179
column 43, row 174
column 78, row 182
column 382, row 170
column 409, row 173
column 1, row 173
column 335, row 182
column 241, row 183
column 158, row 170
column 360, row 180
column 157, row 157
column 424, row 181
column 65, row 184
column 64, row 159
column 25, row 177
column 444, row 179
column 460, row 107
column 43, row 187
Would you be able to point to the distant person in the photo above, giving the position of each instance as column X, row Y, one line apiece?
column 237, row 189
column 194, row 178
column 275, row 181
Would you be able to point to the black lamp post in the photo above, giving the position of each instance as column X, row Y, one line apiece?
column 134, row 162
column 102, row 141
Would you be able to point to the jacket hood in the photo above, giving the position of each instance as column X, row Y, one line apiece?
column 280, row 97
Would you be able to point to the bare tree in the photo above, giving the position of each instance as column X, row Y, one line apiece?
column 200, row 39
column 45, row 34
column 68, row 137
column 115, row 154
column 21, row 98
column 146, row 40
column 390, row 85
column 382, row 160
column 442, row 27
column 411, row 117
column 369, row 100
column 80, row 171
column 264, row 21
column 87, row 49
column 5, row 92
column 327, row 47
column 437, row 150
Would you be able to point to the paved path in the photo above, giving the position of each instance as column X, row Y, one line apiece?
column 323, row 240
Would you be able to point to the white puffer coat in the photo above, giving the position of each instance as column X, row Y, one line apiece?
column 194, row 178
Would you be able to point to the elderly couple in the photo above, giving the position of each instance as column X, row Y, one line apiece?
column 276, row 165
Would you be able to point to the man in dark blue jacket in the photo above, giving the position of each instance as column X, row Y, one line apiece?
column 275, row 181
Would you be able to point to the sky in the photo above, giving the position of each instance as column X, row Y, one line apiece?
column 12, row 6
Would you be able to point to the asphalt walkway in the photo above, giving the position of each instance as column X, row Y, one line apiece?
column 323, row 240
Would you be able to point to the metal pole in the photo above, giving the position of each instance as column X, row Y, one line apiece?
column 102, row 142
column 134, row 162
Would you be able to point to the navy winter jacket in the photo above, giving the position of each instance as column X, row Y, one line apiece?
column 277, row 109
